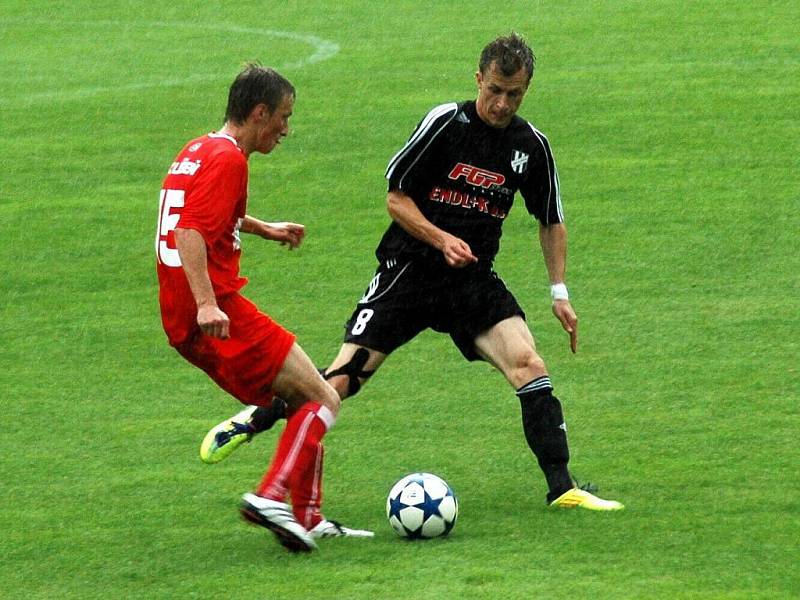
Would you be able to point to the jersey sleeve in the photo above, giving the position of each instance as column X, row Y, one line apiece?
column 541, row 189
column 413, row 164
column 216, row 192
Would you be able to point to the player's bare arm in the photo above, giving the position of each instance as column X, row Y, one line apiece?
column 553, row 239
column 286, row 233
column 192, row 250
column 405, row 213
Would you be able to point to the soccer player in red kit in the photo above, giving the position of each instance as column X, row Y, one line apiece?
column 202, row 213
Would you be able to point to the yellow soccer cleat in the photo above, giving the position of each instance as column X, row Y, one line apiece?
column 578, row 497
column 227, row 437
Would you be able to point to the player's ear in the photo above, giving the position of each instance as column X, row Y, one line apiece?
column 478, row 78
column 260, row 112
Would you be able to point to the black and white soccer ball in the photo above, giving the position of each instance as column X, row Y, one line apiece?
column 422, row 505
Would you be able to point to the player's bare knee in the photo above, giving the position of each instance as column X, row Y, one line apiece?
column 330, row 398
column 527, row 366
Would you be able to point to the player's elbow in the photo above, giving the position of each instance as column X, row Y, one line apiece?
column 391, row 205
column 184, row 236
column 394, row 203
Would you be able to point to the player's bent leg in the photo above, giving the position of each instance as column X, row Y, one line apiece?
column 348, row 372
column 352, row 367
column 305, row 482
column 299, row 381
column 296, row 466
column 289, row 472
column 509, row 346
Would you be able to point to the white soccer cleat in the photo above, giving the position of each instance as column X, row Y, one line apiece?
column 327, row 528
column 278, row 518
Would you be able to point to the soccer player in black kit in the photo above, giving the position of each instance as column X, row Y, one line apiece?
column 450, row 189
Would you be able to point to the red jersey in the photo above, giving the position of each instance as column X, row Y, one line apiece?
column 206, row 190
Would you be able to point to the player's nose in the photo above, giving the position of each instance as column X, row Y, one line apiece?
column 502, row 103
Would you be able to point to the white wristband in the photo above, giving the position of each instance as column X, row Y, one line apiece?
column 558, row 291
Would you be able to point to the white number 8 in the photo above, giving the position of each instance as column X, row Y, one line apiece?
column 361, row 321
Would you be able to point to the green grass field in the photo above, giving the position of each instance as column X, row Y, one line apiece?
column 675, row 128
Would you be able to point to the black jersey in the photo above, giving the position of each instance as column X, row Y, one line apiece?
column 463, row 174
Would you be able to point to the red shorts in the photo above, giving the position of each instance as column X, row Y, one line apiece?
column 246, row 363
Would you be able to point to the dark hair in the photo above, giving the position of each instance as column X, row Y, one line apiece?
column 511, row 53
column 256, row 85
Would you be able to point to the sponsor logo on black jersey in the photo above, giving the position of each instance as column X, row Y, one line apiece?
column 468, row 201
column 477, row 176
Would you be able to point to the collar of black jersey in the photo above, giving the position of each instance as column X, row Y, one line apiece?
column 471, row 111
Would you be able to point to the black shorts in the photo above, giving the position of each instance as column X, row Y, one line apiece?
column 405, row 298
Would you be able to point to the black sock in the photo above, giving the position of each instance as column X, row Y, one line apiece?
column 546, row 433
column 264, row 417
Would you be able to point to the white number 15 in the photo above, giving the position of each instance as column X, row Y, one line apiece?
column 167, row 221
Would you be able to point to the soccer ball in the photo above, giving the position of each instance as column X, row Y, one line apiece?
column 421, row 505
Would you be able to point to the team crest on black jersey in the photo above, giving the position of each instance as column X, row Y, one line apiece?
column 520, row 162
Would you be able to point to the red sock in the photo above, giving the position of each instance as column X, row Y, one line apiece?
column 297, row 464
column 306, row 485
column 306, row 490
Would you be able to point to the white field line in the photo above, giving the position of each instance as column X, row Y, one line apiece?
column 321, row 50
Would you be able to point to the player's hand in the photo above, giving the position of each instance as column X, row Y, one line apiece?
column 457, row 252
column 290, row 234
column 564, row 312
column 213, row 321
